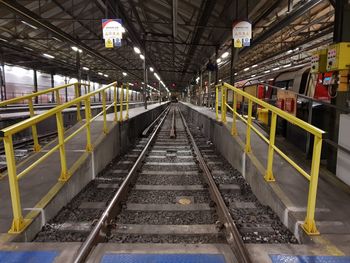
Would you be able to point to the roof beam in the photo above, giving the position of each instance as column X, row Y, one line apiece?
column 280, row 24
column 35, row 19
column 208, row 7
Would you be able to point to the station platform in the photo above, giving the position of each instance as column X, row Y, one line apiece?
column 289, row 191
column 41, row 184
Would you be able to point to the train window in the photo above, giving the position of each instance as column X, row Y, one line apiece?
column 303, row 82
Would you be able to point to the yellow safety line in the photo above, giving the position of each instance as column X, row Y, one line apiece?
column 328, row 245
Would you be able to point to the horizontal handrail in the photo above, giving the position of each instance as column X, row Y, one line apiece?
column 39, row 93
column 19, row 223
column 34, row 120
column 309, row 225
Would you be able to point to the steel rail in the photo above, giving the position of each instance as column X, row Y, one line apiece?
column 172, row 130
column 101, row 227
column 146, row 131
column 233, row 237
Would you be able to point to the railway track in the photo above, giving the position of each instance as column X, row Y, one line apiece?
column 24, row 147
column 164, row 190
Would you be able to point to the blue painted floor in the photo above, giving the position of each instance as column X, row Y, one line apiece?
column 28, row 256
column 163, row 258
column 308, row 259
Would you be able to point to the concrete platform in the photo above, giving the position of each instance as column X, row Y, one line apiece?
column 42, row 195
column 288, row 195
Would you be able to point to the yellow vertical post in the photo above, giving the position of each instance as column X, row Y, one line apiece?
column 223, row 104
column 105, row 129
column 58, row 99
column 76, row 90
column 249, row 124
column 269, row 170
column 62, row 150
column 127, row 101
column 115, row 102
column 234, row 116
column 121, row 102
column 37, row 146
column 88, row 126
column 18, row 222
column 217, row 103
column 309, row 225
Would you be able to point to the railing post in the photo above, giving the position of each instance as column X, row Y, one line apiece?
column 88, row 126
column 223, row 104
column 76, row 90
column 37, row 146
column 115, row 102
column 309, row 225
column 58, row 99
column 18, row 222
column 234, row 115
column 127, row 101
column 60, row 135
column 269, row 170
column 121, row 102
column 249, row 123
column 105, row 129
column 217, row 102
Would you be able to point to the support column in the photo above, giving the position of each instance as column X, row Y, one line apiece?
column 66, row 89
column 2, row 77
column 145, row 83
column 342, row 21
column 53, row 85
column 35, row 80
column 341, row 34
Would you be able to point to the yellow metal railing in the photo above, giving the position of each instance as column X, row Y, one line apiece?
column 309, row 225
column 19, row 223
column 56, row 92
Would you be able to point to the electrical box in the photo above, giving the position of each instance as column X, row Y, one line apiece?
column 319, row 61
column 338, row 56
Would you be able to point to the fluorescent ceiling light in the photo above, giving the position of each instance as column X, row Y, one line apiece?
column 218, row 60
column 76, row 49
column 48, row 56
column 253, row 76
column 142, row 57
column 137, row 50
column 267, row 71
column 131, row 84
column 254, row 66
column 236, row 74
column 125, row 74
column 156, row 75
column 30, row 25
column 28, row 48
column 225, row 55
column 289, row 51
column 276, row 68
column 246, row 69
column 100, row 73
column 151, row 69
column 86, row 68
column 105, row 75
column 287, row 66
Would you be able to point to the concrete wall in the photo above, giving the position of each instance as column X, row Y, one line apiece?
column 115, row 143
column 233, row 151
